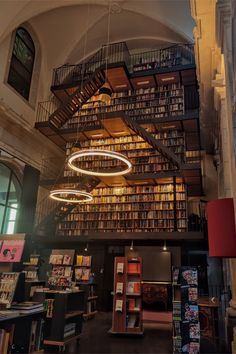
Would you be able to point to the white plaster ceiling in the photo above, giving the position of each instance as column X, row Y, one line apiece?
column 68, row 29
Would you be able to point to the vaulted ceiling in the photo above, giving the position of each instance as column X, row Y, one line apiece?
column 68, row 30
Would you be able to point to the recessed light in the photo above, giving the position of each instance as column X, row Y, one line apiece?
column 121, row 86
column 143, row 82
column 97, row 135
column 121, row 132
column 168, row 78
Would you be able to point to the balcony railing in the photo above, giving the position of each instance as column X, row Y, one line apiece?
column 71, row 74
column 176, row 55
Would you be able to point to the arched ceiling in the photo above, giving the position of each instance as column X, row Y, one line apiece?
column 69, row 29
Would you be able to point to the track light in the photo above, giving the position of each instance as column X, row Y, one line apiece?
column 164, row 246
column 86, row 248
column 132, row 246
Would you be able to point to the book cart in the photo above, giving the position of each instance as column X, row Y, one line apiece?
column 127, row 302
column 186, row 326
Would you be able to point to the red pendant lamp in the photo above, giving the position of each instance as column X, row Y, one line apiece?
column 221, row 228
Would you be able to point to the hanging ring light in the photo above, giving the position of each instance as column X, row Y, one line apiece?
column 104, row 153
column 62, row 195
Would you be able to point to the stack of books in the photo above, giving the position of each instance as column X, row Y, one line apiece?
column 69, row 329
column 28, row 307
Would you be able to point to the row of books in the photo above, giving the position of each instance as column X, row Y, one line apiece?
column 60, row 259
column 132, row 320
column 160, row 188
column 128, row 215
column 140, row 198
column 128, row 206
column 87, row 231
column 123, row 224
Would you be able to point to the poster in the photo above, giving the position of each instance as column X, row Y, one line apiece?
column 11, row 250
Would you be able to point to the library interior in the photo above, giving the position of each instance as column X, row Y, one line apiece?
column 117, row 176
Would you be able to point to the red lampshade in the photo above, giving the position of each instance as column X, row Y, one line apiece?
column 221, row 228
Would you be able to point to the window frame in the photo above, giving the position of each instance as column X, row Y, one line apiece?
column 25, row 87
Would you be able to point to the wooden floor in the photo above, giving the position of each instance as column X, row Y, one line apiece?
column 157, row 339
column 95, row 338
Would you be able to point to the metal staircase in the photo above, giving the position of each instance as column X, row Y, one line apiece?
column 156, row 144
column 51, row 213
column 75, row 101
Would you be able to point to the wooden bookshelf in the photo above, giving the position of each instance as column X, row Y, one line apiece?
column 127, row 301
column 134, row 209
column 160, row 102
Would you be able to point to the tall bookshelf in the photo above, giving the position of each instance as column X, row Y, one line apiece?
column 129, row 209
column 143, row 157
column 142, row 104
column 127, row 302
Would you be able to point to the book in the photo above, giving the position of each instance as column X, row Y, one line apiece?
column 56, row 259
column 119, row 288
column 5, row 343
column 119, row 305
column 79, row 260
column 85, row 274
column 78, row 273
column 86, row 261
column 120, row 268
column 32, row 342
column 131, row 304
column 27, row 305
column 134, row 268
column 67, row 259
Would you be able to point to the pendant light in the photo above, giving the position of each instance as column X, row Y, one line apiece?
column 75, row 158
column 64, row 195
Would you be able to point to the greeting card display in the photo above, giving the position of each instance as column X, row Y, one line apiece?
column 186, row 327
column 61, row 273
column 11, row 250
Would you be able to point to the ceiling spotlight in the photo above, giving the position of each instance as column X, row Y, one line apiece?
column 132, row 246
column 164, row 246
column 86, row 248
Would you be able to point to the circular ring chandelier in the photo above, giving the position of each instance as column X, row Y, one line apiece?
column 97, row 152
column 62, row 195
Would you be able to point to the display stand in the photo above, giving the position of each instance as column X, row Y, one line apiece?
column 186, row 326
column 64, row 316
column 127, row 303
column 32, row 281
column 83, row 280
column 19, row 333
column 62, row 269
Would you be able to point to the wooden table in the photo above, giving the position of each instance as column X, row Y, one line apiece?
column 208, row 313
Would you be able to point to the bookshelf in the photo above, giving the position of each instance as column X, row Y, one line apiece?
column 127, row 302
column 64, row 315
column 84, row 281
column 186, row 326
column 129, row 209
column 22, row 333
column 62, row 268
column 142, row 104
column 142, row 156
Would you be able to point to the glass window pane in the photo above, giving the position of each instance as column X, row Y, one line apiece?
column 10, row 227
column 4, row 182
column 2, row 208
column 15, row 192
column 23, row 34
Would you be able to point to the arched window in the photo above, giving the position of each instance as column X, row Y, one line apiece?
column 10, row 191
column 22, row 62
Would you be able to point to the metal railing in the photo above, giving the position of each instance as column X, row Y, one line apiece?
column 176, row 55
column 70, row 74
column 179, row 54
column 46, row 108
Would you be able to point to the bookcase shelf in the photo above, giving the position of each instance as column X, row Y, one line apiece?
column 127, row 305
column 163, row 101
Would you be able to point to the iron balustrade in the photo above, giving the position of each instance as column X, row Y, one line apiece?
column 176, row 55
